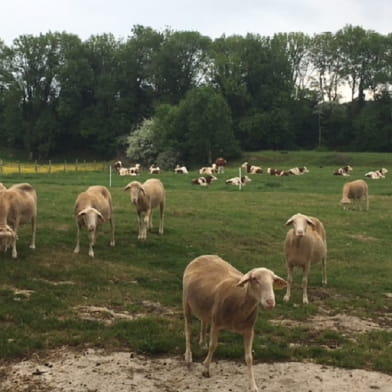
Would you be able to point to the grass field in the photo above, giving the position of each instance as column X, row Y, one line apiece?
column 44, row 294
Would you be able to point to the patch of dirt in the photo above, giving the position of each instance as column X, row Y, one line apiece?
column 108, row 316
column 18, row 293
column 363, row 238
column 339, row 322
column 97, row 371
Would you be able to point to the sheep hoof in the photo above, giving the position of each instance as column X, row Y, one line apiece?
column 112, row 243
column 32, row 246
column 286, row 298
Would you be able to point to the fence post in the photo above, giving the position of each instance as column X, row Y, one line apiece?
column 19, row 168
column 76, row 165
column 36, row 167
column 65, row 163
column 50, row 167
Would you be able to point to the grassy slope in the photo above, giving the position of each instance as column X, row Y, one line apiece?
column 244, row 227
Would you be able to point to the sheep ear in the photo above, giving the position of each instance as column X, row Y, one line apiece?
column 289, row 222
column 142, row 190
column 310, row 221
column 82, row 212
column 279, row 283
column 246, row 278
column 100, row 216
column 127, row 187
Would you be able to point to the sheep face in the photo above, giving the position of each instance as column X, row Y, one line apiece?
column 7, row 238
column 91, row 218
column 261, row 284
column 300, row 223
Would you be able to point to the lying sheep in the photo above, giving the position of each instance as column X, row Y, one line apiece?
column 93, row 207
column 145, row 197
column 155, row 169
column 220, row 295
column 355, row 193
column 18, row 205
column 180, row 169
column 305, row 244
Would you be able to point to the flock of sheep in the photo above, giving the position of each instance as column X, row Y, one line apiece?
column 213, row 290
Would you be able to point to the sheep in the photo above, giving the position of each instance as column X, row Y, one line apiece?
column 237, row 180
column 305, row 244
column 355, row 192
column 220, row 164
column 180, row 170
column 93, row 207
column 18, row 205
column 2, row 186
column 220, row 295
column 155, row 169
column 145, row 197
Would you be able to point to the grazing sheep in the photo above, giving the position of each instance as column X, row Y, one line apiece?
column 18, row 205
column 93, row 207
column 145, row 197
column 305, row 244
column 355, row 192
column 237, row 180
column 220, row 164
column 180, row 170
column 220, row 295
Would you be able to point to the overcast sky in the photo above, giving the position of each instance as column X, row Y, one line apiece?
column 209, row 17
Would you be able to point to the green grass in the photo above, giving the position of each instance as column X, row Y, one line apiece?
column 247, row 228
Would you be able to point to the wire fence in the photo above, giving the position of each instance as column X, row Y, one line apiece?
column 49, row 167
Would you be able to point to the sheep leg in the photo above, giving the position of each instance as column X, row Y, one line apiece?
column 203, row 333
column 214, row 333
column 14, row 253
column 141, row 224
column 324, row 265
column 91, row 236
column 248, row 342
column 112, row 241
column 286, row 298
column 305, row 285
column 77, row 247
column 33, row 229
column 149, row 224
column 161, row 217
column 188, row 333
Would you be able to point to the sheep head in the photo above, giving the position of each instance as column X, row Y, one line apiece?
column 7, row 237
column 261, row 284
column 135, row 188
column 300, row 223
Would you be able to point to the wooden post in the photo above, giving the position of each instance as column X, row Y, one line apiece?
column 19, row 168
column 50, row 167
column 65, row 163
column 36, row 167
column 76, row 165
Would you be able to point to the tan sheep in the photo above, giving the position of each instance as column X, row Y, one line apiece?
column 305, row 244
column 18, row 205
column 92, row 208
column 220, row 295
column 145, row 197
column 355, row 193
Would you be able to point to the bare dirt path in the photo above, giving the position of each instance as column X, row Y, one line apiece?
column 97, row 371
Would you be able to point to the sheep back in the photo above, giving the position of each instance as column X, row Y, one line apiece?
column 96, row 196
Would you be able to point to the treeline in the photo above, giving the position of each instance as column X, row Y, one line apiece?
column 203, row 97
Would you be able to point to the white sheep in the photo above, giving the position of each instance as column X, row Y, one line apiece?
column 238, row 180
column 93, row 207
column 145, row 197
column 221, row 296
column 355, row 193
column 210, row 170
column 305, row 244
column 18, row 205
